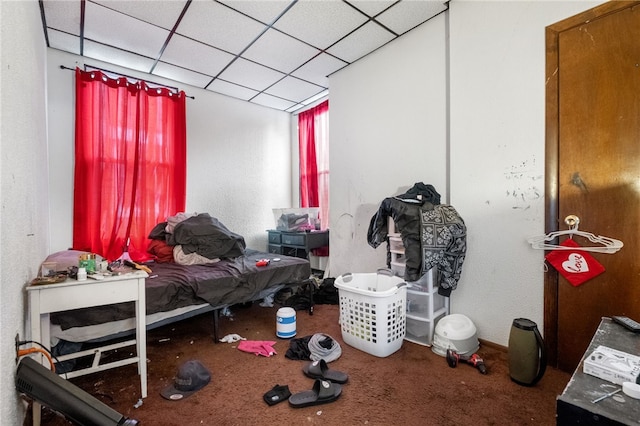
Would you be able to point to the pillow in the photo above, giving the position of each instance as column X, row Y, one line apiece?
column 162, row 251
column 67, row 258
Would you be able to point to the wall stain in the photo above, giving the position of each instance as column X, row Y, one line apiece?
column 523, row 184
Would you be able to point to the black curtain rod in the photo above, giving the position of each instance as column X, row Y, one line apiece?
column 127, row 76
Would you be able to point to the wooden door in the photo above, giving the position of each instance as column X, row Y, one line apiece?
column 593, row 167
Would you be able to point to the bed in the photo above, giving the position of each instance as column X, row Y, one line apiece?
column 175, row 292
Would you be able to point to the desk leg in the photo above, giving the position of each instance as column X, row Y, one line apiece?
column 34, row 318
column 141, row 336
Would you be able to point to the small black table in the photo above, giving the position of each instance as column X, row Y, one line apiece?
column 575, row 406
column 297, row 244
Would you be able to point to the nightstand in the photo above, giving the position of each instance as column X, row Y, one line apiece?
column 297, row 244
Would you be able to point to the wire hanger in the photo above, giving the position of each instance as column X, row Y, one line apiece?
column 608, row 245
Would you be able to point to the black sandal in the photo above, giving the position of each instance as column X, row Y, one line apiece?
column 323, row 392
column 320, row 370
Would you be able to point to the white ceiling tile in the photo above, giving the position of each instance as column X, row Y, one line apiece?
column 409, row 14
column 115, row 29
column 231, row 89
column 193, row 55
column 181, row 75
column 263, row 11
column 64, row 41
column 364, row 41
column 251, row 75
column 294, row 89
column 317, row 97
column 213, row 33
column 294, row 107
column 320, row 97
column 320, row 23
column 163, row 13
column 118, row 57
column 272, row 102
column 279, row 51
column 63, row 15
column 219, row 26
column 372, row 7
column 317, row 69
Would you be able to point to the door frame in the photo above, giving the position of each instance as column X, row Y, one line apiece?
column 552, row 164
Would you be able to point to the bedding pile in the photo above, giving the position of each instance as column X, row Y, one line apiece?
column 194, row 239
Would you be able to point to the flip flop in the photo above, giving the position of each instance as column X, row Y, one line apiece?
column 277, row 394
column 323, row 392
column 320, row 370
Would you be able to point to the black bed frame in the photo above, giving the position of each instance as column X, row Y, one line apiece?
column 308, row 283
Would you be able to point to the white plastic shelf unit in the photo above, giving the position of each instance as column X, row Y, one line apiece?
column 424, row 308
column 424, row 305
column 396, row 250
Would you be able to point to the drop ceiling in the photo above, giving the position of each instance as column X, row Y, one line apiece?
column 276, row 53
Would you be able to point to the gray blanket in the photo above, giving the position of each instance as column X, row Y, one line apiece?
column 207, row 236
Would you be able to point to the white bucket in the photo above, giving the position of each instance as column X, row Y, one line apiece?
column 286, row 323
column 456, row 332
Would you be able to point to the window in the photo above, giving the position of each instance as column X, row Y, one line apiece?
column 313, row 140
column 130, row 163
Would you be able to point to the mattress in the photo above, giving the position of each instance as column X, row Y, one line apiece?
column 176, row 291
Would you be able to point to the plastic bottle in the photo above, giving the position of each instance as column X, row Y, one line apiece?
column 82, row 274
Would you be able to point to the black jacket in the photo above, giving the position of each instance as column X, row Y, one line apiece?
column 407, row 219
column 433, row 234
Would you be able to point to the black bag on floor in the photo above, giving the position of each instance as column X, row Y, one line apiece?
column 327, row 294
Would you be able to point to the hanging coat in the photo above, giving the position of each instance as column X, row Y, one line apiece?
column 407, row 219
column 444, row 244
column 433, row 234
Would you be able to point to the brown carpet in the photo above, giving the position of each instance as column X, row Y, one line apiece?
column 413, row 386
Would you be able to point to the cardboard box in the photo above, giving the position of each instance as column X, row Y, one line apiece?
column 612, row 365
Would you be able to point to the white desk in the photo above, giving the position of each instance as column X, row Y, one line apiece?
column 72, row 294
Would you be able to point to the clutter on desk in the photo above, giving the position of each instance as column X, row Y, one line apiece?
column 82, row 274
column 55, row 279
column 612, row 365
column 87, row 261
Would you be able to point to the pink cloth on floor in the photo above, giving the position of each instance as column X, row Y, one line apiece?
column 258, row 347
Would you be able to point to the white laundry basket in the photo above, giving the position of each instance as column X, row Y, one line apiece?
column 373, row 311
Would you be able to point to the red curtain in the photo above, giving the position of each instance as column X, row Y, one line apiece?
column 313, row 136
column 130, row 163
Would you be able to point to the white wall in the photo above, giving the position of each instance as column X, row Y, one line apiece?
column 497, row 155
column 238, row 160
column 387, row 132
column 23, row 174
column 381, row 143
column 386, row 140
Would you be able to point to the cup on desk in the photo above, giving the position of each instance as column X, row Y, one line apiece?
column 48, row 269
